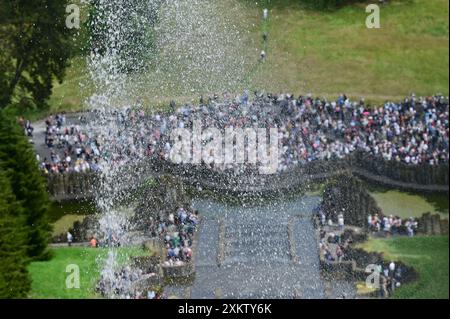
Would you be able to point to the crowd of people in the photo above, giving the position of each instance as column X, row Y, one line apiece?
column 177, row 234
column 111, row 240
column 329, row 222
column 415, row 131
column 176, row 231
column 392, row 225
column 27, row 127
column 71, row 150
column 122, row 283
column 335, row 246
column 332, row 246
column 390, row 275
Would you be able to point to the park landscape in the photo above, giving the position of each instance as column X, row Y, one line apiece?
column 195, row 50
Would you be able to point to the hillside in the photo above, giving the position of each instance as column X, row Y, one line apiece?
column 323, row 52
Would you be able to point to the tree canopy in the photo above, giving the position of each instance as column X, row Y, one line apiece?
column 24, row 204
column 18, row 163
column 35, row 47
column 14, row 281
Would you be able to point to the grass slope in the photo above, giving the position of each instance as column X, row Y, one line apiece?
column 332, row 52
column 49, row 277
column 427, row 254
column 327, row 53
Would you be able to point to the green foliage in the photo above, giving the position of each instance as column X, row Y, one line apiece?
column 35, row 48
column 49, row 277
column 14, row 281
column 18, row 161
column 24, row 229
column 428, row 255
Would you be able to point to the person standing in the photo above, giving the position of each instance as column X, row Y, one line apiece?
column 341, row 221
column 330, row 222
column 69, row 239
column 323, row 218
column 369, row 221
column 392, row 269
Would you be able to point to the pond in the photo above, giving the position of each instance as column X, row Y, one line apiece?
column 409, row 204
column 62, row 215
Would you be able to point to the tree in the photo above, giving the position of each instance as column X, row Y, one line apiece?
column 35, row 48
column 18, row 161
column 14, row 281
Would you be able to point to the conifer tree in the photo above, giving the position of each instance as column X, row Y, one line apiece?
column 14, row 281
column 18, row 161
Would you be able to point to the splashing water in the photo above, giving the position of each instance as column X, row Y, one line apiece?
column 193, row 48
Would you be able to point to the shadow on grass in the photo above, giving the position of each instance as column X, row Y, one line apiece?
column 317, row 5
column 322, row 5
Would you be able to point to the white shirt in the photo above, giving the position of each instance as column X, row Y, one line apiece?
column 341, row 220
column 392, row 266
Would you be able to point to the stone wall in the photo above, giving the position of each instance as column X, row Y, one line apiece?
column 72, row 186
column 423, row 174
column 430, row 224
column 180, row 271
column 390, row 173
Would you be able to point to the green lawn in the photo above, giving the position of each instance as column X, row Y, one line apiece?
column 76, row 88
column 49, row 277
column 327, row 53
column 427, row 254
